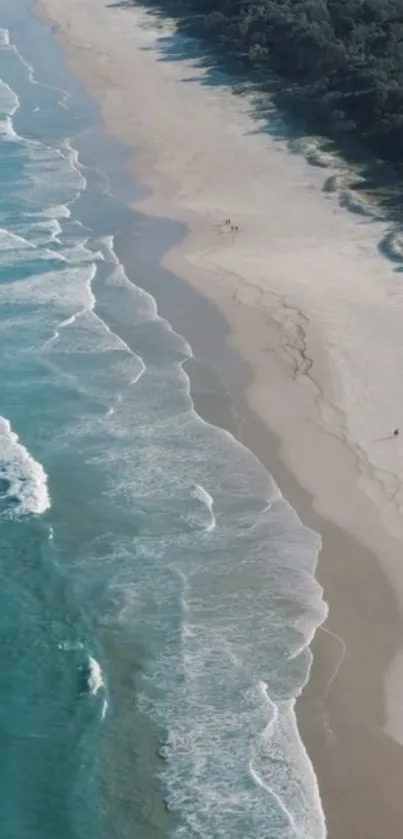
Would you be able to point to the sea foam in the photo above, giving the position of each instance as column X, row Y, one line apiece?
column 216, row 598
column 26, row 484
column 95, row 676
column 4, row 37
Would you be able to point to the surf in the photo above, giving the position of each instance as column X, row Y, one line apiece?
column 176, row 557
column 25, row 483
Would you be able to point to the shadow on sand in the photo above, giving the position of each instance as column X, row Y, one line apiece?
column 364, row 184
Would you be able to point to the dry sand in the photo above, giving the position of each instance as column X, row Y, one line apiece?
column 316, row 310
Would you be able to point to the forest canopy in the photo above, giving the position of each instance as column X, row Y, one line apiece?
column 343, row 59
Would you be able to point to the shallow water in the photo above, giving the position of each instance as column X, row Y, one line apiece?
column 157, row 592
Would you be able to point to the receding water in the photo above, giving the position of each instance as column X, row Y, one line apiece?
column 157, row 594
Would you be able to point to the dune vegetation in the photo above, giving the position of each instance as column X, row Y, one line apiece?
column 342, row 59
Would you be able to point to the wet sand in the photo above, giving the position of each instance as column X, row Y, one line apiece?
column 341, row 713
column 308, row 354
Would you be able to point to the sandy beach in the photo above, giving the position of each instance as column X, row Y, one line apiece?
column 314, row 310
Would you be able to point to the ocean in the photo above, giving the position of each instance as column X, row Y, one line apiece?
column 157, row 593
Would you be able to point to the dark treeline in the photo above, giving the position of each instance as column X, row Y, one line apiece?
column 343, row 59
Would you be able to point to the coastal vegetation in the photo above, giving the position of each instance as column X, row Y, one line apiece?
column 345, row 57
column 342, row 60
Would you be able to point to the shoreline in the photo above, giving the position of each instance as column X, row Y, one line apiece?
column 278, row 343
column 321, row 716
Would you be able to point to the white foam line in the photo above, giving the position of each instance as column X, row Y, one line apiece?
column 14, row 98
column 52, row 226
column 154, row 316
column 7, row 129
column 140, row 373
column 254, row 774
column 73, row 159
column 206, row 499
column 90, row 310
column 72, row 318
column 4, row 37
column 12, row 241
column 26, row 478
column 56, row 211
column 96, row 682
column 122, row 343
column 30, row 72
column 95, row 676
column 65, row 152
column 91, row 295
column 64, row 323
column 222, row 432
column 109, row 242
column 265, row 739
column 309, row 635
column 102, row 175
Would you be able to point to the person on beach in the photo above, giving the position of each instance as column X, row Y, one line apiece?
column 395, row 433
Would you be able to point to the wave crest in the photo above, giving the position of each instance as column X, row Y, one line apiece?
column 25, row 485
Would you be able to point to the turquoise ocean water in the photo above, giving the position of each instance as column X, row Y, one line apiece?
column 156, row 591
